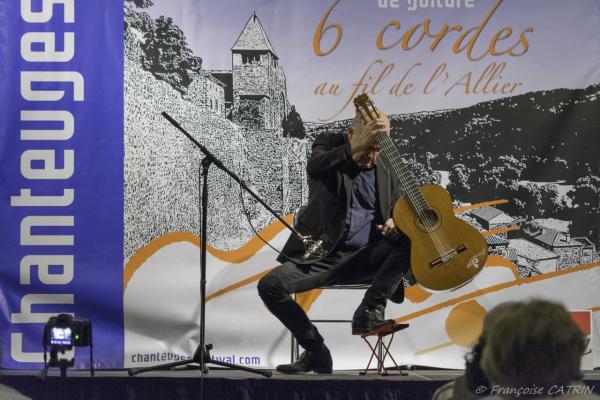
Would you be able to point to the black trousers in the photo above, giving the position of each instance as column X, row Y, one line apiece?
column 383, row 264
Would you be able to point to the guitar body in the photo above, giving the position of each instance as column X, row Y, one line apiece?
column 446, row 252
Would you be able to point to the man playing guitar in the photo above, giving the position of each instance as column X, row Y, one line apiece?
column 350, row 205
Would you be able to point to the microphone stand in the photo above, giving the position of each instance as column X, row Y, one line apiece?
column 202, row 354
column 212, row 159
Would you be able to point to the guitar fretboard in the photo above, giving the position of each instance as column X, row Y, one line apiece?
column 407, row 180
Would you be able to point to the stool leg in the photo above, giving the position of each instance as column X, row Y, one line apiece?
column 387, row 352
column 387, row 349
column 381, row 356
column 373, row 353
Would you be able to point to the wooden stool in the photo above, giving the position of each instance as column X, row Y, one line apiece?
column 378, row 350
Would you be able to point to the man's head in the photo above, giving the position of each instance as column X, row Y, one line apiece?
column 366, row 158
column 535, row 343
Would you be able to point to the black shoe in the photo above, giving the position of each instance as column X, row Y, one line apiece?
column 318, row 361
column 367, row 318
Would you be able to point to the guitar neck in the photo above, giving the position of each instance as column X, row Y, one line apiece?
column 391, row 156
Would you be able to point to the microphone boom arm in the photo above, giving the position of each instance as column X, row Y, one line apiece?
column 305, row 239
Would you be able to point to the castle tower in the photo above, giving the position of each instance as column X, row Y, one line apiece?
column 259, row 86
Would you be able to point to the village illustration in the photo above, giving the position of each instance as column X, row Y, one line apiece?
column 244, row 108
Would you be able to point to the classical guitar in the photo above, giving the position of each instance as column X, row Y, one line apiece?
column 446, row 252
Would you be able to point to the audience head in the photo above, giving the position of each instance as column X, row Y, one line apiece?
column 533, row 344
column 474, row 375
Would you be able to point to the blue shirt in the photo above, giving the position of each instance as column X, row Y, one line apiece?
column 360, row 217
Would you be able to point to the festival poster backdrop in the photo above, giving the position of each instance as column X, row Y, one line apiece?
column 497, row 101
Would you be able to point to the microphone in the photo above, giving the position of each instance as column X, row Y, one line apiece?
column 314, row 248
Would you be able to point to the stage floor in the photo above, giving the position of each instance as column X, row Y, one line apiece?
column 233, row 384
column 224, row 373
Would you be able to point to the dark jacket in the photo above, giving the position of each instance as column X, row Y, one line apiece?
column 329, row 195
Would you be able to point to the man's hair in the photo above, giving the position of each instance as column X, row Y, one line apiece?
column 537, row 343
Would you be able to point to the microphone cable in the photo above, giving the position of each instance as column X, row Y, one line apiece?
column 252, row 226
column 245, row 212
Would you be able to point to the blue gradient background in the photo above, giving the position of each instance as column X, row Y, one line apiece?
column 97, row 180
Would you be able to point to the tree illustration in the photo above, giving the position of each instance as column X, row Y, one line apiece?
column 293, row 126
column 422, row 175
column 165, row 52
column 459, row 186
column 168, row 55
column 551, row 204
column 585, row 198
column 140, row 21
column 510, row 170
column 527, row 201
column 141, row 3
column 558, row 168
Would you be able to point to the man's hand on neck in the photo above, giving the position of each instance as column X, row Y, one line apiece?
column 364, row 145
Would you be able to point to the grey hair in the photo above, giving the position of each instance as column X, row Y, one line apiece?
column 533, row 343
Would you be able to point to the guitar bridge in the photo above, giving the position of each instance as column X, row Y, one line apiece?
column 447, row 256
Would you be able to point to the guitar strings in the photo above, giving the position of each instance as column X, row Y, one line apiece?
column 426, row 218
column 422, row 208
column 417, row 200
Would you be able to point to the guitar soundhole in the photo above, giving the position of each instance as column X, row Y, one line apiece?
column 429, row 219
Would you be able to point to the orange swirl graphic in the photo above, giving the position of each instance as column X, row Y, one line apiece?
column 496, row 288
column 479, row 205
column 500, row 230
column 234, row 256
column 252, row 247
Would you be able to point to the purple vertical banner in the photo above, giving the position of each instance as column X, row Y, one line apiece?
column 61, row 175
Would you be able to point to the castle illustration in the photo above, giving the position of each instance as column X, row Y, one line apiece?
column 236, row 113
column 253, row 93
